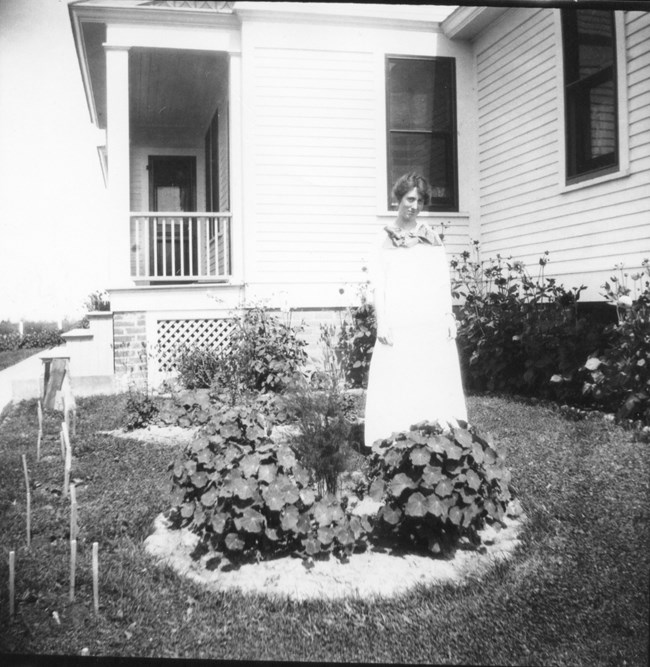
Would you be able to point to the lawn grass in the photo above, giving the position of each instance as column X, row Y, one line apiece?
column 11, row 357
column 576, row 592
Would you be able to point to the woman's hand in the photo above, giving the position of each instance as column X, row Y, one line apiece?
column 452, row 327
column 385, row 335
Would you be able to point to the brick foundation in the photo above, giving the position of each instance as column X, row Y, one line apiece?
column 130, row 346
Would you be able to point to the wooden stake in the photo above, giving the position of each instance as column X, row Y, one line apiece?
column 96, row 577
column 74, row 529
column 73, row 567
column 68, row 460
column 62, row 446
column 66, row 473
column 66, row 434
column 40, row 431
column 12, row 581
column 29, row 503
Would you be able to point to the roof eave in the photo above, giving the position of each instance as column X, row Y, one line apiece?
column 77, row 33
column 465, row 23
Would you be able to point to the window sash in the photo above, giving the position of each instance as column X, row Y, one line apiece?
column 591, row 103
column 422, row 134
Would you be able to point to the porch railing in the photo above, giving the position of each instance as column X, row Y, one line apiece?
column 181, row 247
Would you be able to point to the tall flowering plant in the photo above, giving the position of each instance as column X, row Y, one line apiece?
column 618, row 378
column 516, row 329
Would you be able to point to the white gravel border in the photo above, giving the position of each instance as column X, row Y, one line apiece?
column 366, row 575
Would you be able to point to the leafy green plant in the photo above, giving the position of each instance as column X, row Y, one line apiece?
column 264, row 354
column 323, row 430
column 246, row 496
column 41, row 338
column 438, row 484
column 197, row 366
column 97, row 301
column 140, row 410
column 356, row 340
column 618, row 378
column 516, row 331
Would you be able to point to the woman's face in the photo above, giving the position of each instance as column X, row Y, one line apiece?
column 410, row 205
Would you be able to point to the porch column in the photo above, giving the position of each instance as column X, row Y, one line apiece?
column 117, row 145
column 236, row 168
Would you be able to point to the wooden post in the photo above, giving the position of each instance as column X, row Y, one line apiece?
column 68, row 460
column 73, row 567
column 69, row 405
column 74, row 528
column 96, row 577
column 40, row 430
column 62, row 446
column 12, row 581
column 66, row 416
column 66, row 433
column 29, row 503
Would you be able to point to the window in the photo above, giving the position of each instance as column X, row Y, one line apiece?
column 421, row 119
column 591, row 114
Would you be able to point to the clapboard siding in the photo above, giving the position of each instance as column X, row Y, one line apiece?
column 524, row 208
column 314, row 163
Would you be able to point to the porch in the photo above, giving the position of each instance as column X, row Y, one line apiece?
column 169, row 247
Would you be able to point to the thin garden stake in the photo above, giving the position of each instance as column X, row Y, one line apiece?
column 73, row 567
column 68, row 462
column 74, row 529
column 62, row 446
column 66, row 433
column 96, row 577
column 12, row 577
column 29, row 503
column 40, row 431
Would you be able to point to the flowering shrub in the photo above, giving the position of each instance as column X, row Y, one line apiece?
column 356, row 339
column 516, row 331
column 618, row 378
column 265, row 353
column 438, row 484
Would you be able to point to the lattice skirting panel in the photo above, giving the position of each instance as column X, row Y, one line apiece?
column 173, row 334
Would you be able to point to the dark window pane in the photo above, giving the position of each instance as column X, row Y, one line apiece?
column 602, row 106
column 420, row 95
column 422, row 124
column 424, row 153
column 590, row 91
column 595, row 41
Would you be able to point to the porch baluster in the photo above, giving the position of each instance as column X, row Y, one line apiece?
column 190, row 239
column 181, row 246
column 172, row 231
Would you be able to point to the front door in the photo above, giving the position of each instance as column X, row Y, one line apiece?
column 172, row 189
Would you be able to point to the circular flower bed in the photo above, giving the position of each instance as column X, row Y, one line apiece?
column 247, row 496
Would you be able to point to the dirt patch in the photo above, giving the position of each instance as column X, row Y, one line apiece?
column 366, row 575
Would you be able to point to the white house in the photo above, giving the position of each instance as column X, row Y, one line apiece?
column 250, row 148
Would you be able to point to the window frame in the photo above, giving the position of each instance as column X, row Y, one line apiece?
column 578, row 167
column 451, row 204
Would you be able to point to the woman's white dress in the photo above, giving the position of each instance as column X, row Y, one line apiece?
column 417, row 377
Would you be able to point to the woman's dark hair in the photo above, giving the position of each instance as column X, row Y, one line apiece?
column 410, row 181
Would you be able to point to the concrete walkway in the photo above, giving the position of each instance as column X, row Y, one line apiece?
column 21, row 381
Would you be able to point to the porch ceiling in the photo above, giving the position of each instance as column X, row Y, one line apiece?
column 173, row 94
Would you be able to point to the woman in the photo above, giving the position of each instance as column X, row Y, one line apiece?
column 414, row 372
